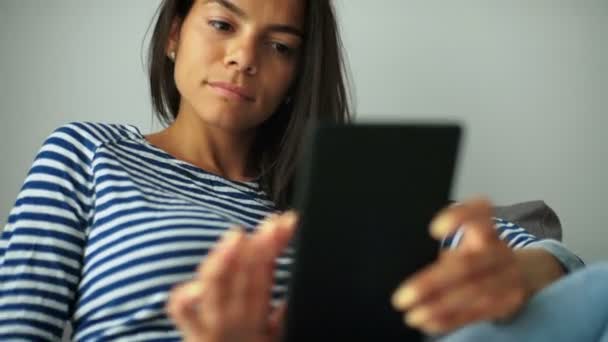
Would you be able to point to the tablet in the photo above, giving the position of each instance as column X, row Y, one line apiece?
column 366, row 194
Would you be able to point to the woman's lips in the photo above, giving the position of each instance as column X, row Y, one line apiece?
column 232, row 91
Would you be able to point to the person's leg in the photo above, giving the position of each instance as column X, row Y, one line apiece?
column 573, row 309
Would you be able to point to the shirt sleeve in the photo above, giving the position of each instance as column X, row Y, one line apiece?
column 41, row 246
column 517, row 237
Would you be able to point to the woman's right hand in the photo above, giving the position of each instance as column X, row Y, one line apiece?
column 229, row 299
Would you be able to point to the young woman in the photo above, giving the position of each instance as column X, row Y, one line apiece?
column 109, row 221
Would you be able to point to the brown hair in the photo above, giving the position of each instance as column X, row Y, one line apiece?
column 319, row 92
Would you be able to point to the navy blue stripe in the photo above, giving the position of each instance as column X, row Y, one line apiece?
column 49, row 328
column 46, row 217
column 150, row 232
column 156, row 306
column 157, row 165
column 34, row 308
column 133, row 223
column 72, row 131
column 43, row 263
column 37, row 247
column 117, row 301
column 57, row 188
column 146, row 328
column 38, row 232
column 47, row 170
column 132, row 264
column 40, row 293
column 90, row 129
column 117, row 189
column 23, row 336
column 60, row 282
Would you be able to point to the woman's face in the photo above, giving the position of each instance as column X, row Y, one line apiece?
column 236, row 59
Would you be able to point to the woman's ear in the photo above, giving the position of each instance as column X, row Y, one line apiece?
column 173, row 40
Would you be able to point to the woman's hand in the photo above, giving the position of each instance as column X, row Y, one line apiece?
column 482, row 279
column 229, row 300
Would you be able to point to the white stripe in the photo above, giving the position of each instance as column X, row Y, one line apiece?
column 170, row 182
column 37, row 270
column 140, row 253
column 99, row 302
column 457, row 237
column 115, row 277
column 160, row 297
column 233, row 186
column 504, row 233
column 523, row 243
column 519, row 238
column 43, row 177
column 162, row 218
column 143, row 337
column 118, row 244
column 49, row 226
column 55, row 195
column 19, row 328
column 35, row 316
column 29, row 299
column 149, row 336
column 73, row 142
column 60, row 166
column 36, row 285
column 46, row 210
column 37, row 240
column 46, row 256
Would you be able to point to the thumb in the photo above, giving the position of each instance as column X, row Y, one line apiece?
column 478, row 235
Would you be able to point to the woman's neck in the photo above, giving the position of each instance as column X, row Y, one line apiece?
column 216, row 150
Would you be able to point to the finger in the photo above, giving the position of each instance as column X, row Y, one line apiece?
column 260, row 273
column 218, row 276
column 481, row 309
column 180, row 307
column 451, row 218
column 225, row 249
column 286, row 225
column 479, row 234
column 452, row 268
column 448, row 309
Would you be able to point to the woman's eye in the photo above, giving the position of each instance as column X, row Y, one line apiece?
column 220, row 25
column 281, row 48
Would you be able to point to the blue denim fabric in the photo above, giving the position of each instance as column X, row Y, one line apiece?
column 569, row 260
column 575, row 308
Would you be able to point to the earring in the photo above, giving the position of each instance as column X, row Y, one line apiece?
column 172, row 56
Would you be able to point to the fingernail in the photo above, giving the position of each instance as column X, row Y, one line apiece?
column 290, row 218
column 232, row 237
column 193, row 290
column 417, row 316
column 440, row 227
column 405, row 297
column 269, row 224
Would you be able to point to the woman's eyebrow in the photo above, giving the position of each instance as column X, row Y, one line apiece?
column 240, row 13
column 229, row 6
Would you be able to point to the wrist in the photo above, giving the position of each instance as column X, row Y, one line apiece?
column 539, row 269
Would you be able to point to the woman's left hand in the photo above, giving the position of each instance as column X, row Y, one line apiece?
column 480, row 280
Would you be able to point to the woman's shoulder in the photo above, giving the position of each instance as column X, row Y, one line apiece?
column 91, row 135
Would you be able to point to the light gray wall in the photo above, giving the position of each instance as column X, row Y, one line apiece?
column 529, row 78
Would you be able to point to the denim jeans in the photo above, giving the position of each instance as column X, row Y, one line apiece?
column 575, row 308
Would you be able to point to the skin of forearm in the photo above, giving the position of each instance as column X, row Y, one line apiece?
column 539, row 267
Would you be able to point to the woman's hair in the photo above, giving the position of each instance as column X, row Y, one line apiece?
column 319, row 92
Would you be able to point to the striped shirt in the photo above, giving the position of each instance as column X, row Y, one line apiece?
column 106, row 223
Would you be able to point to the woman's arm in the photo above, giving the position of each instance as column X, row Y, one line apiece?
column 489, row 272
column 42, row 244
